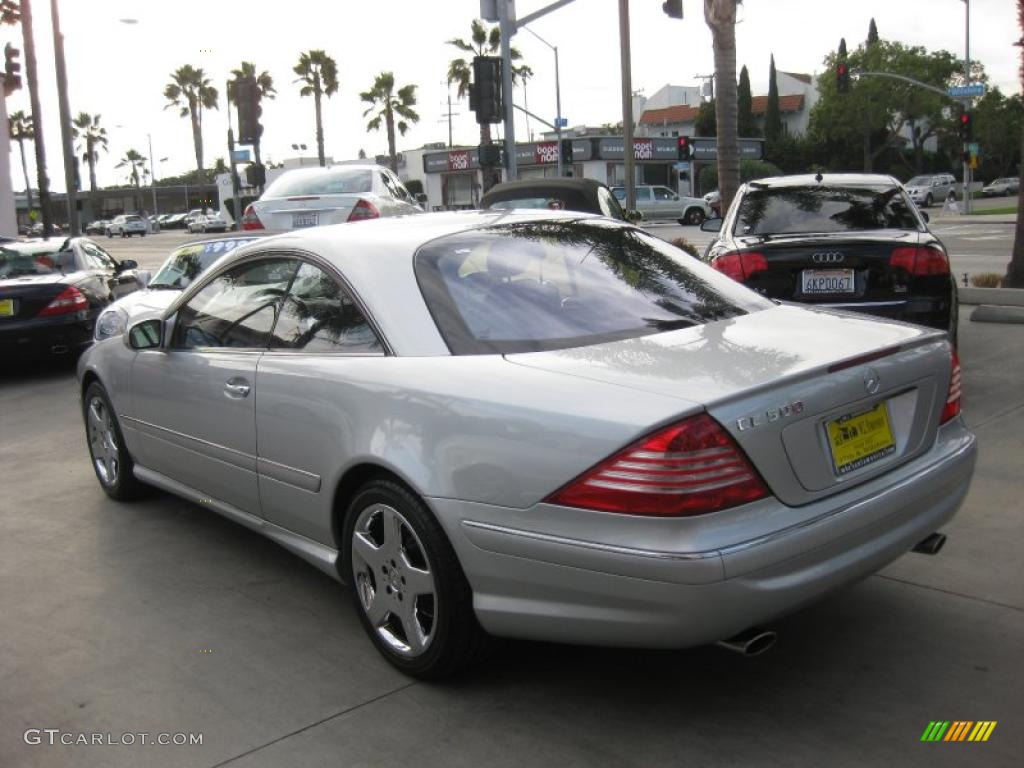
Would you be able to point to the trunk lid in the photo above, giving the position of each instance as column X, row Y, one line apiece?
column 302, row 211
column 847, row 267
column 26, row 296
column 775, row 380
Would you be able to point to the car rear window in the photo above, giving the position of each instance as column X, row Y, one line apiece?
column 534, row 286
column 133, row 218
column 333, row 181
column 15, row 263
column 792, row 210
column 186, row 263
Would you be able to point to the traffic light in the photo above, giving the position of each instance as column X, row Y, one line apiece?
column 673, row 8
column 842, row 77
column 685, row 148
column 491, row 155
column 485, row 97
column 566, row 150
column 12, row 68
column 966, row 126
column 247, row 98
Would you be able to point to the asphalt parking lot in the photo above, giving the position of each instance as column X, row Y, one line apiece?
column 160, row 617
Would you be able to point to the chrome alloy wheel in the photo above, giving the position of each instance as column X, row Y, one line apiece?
column 103, row 442
column 394, row 580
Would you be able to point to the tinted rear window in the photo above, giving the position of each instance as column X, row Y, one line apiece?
column 329, row 182
column 533, row 286
column 788, row 210
column 15, row 263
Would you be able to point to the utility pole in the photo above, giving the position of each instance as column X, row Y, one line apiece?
column 236, row 201
column 66, row 132
column 32, row 74
column 627, row 104
column 152, row 173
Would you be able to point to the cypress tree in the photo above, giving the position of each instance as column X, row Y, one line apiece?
column 745, row 115
column 772, row 116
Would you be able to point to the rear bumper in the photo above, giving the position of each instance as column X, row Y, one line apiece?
column 608, row 586
column 54, row 337
column 932, row 311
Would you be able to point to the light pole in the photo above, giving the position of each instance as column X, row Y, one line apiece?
column 152, row 173
column 66, row 131
column 558, row 97
column 967, row 101
column 627, row 104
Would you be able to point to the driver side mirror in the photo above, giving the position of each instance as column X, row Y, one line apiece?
column 711, row 225
column 633, row 215
column 421, row 198
column 146, row 334
column 127, row 264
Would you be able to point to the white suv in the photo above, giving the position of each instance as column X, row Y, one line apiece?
column 926, row 190
column 127, row 225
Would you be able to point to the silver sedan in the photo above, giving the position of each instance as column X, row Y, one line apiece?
column 546, row 426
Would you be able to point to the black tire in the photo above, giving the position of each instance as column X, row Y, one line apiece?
column 694, row 217
column 928, row 201
column 121, row 484
column 456, row 638
column 142, row 234
column 109, row 233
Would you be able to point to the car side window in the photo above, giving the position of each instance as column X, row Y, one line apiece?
column 609, row 205
column 318, row 315
column 643, row 193
column 663, row 193
column 237, row 309
column 95, row 259
column 389, row 186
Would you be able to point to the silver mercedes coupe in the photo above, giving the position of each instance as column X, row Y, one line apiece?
column 535, row 425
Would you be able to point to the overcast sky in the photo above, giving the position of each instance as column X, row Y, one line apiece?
column 119, row 70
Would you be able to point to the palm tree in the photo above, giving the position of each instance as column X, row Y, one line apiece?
column 720, row 16
column 265, row 84
column 1015, row 269
column 482, row 42
column 190, row 90
column 318, row 74
column 87, row 127
column 385, row 103
column 137, row 164
column 21, row 131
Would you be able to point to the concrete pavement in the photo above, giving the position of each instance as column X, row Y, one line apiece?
column 161, row 617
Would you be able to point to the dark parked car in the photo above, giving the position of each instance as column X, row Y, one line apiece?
column 584, row 195
column 845, row 241
column 51, row 292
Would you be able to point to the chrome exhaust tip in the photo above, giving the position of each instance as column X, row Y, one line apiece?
column 931, row 545
column 751, row 642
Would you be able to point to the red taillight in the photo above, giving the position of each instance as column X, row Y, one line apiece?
column 952, row 406
column 740, row 265
column 67, row 301
column 250, row 220
column 689, row 468
column 920, row 260
column 364, row 209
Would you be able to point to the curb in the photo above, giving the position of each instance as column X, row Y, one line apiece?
column 1001, row 297
column 989, row 314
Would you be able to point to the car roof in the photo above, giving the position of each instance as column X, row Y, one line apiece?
column 38, row 245
column 577, row 190
column 561, row 183
column 825, row 180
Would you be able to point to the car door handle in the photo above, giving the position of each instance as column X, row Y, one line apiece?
column 236, row 387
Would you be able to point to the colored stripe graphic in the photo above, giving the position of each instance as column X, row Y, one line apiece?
column 958, row 730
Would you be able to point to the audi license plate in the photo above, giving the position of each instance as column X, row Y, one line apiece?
column 828, row 281
column 6, row 307
column 300, row 220
column 860, row 439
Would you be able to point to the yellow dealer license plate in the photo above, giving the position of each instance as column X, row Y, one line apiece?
column 860, row 439
column 6, row 307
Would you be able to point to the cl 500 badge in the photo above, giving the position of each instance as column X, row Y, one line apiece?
column 772, row 414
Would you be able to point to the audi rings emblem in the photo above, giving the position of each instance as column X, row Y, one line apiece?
column 832, row 257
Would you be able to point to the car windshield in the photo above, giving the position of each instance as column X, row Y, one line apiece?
column 333, row 181
column 541, row 285
column 189, row 261
column 15, row 263
column 919, row 181
column 795, row 210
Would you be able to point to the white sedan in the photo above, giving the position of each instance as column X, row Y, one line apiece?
column 127, row 225
column 312, row 197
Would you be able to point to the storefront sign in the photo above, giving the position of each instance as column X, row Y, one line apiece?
column 656, row 149
column 707, row 149
column 454, row 161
